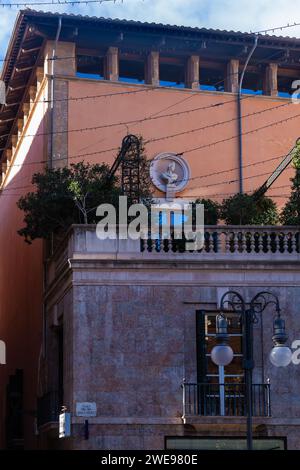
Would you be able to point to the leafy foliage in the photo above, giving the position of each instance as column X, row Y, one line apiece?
column 242, row 209
column 211, row 211
column 66, row 196
column 145, row 184
column 290, row 214
column 71, row 195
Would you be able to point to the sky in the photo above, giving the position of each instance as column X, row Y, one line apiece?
column 237, row 15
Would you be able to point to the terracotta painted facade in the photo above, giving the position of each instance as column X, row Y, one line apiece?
column 21, row 275
column 260, row 148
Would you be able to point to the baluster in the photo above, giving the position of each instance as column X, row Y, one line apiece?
column 210, row 243
column 164, row 245
column 252, row 242
column 220, row 245
column 207, row 241
column 217, row 247
column 276, row 242
column 243, row 242
column 285, row 242
column 227, row 242
column 148, row 244
column 260, row 242
column 293, row 243
column 235, row 242
column 267, row 236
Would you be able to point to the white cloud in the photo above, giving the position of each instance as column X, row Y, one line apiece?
column 7, row 19
column 239, row 15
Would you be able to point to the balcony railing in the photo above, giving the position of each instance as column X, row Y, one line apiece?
column 48, row 408
column 220, row 243
column 247, row 240
column 213, row 399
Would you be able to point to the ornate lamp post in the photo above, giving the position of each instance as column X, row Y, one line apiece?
column 222, row 353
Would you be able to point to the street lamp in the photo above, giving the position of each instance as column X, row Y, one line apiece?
column 222, row 353
column 280, row 355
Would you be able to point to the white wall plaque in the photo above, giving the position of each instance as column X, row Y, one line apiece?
column 86, row 409
column 2, row 352
column 170, row 173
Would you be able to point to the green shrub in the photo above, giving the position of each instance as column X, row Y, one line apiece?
column 290, row 214
column 243, row 209
column 211, row 211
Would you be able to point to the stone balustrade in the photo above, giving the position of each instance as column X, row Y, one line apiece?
column 233, row 240
column 224, row 244
column 227, row 247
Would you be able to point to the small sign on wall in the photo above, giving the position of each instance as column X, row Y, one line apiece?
column 2, row 352
column 86, row 409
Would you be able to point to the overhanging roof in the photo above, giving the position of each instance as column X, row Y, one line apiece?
column 32, row 28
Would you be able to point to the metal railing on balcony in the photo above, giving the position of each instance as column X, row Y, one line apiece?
column 234, row 240
column 48, row 408
column 213, row 399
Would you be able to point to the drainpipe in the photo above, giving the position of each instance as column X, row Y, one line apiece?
column 52, row 92
column 50, row 159
column 239, row 110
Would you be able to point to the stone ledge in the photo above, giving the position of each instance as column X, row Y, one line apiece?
column 187, row 257
column 188, row 420
column 241, row 420
column 127, row 420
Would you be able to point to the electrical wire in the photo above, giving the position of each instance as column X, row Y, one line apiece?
column 183, row 179
column 276, row 28
column 140, row 120
column 155, row 115
column 197, row 177
column 201, row 147
column 169, row 115
column 86, row 2
column 231, row 181
column 155, row 139
column 55, row 2
column 144, row 90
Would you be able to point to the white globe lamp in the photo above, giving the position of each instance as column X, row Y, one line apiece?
column 222, row 353
column 280, row 355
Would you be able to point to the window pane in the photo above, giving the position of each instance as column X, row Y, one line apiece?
column 211, row 367
column 235, row 367
column 234, row 324
column 236, row 343
column 210, row 324
column 210, row 343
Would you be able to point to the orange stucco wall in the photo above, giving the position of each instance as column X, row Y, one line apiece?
column 265, row 144
column 21, row 279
